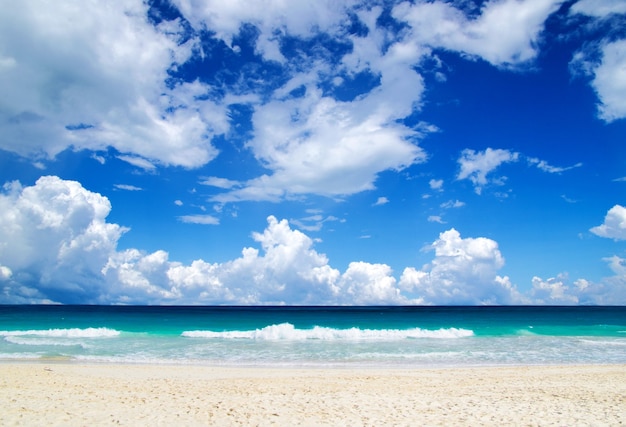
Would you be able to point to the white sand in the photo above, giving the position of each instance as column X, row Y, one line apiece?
column 84, row 395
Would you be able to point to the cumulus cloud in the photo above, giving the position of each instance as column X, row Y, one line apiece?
column 552, row 291
column 464, row 271
column 614, row 226
column 85, row 76
column 560, row 290
column 55, row 239
column 441, row 25
column 56, row 246
column 475, row 166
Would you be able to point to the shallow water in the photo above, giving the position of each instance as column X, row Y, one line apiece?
column 316, row 336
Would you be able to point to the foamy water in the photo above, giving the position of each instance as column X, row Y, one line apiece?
column 397, row 337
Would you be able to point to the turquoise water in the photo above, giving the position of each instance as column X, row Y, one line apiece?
column 315, row 336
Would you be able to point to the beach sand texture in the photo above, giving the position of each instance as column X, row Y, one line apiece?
column 66, row 394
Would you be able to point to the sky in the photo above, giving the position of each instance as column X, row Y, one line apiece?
column 324, row 152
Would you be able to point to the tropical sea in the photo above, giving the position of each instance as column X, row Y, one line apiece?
column 396, row 337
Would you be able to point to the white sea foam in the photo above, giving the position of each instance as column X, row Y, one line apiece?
column 64, row 333
column 43, row 341
column 600, row 342
column 288, row 332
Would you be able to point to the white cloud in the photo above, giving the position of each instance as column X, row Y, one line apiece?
column 552, row 292
column 323, row 146
column 214, row 181
column 599, row 8
column 544, row 166
column 505, row 33
column 614, row 226
column 436, row 218
column 269, row 16
column 56, row 246
column 369, row 284
column 55, row 239
column 475, row 166
column 139, row 162
column 610, row 81
column 450, row 204
column 560, row 290
column 199, row 219
column 90, row 75
column 5, row 273
column 315, row 143
column 313, row 222
column 462, row 272
column 436, row 184
column 609, row 73
column 127, row 187
column 381, row 201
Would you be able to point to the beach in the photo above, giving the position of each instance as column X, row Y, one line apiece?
column 69, row 394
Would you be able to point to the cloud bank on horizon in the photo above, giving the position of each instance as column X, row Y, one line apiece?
column 224, row 111
column 64, row 250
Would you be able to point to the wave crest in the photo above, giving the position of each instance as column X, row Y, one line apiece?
column 288, row 332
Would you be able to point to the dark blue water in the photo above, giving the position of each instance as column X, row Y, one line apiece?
column 315, row 336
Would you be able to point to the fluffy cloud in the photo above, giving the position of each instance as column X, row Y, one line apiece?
column 614, row 226
column 552, row 292
column 475, row 166
column 316, row 143
column 271, row 17
column 610, row 81
column 332, row 148
column 56, row 246
column 561, row 291
column 55, row 239
column 608, row 73
column 89, row 77
column 463, row 272
column 442, row 25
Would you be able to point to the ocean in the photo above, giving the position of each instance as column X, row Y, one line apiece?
column 398, row 337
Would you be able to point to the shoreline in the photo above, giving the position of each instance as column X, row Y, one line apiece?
column 68, row 393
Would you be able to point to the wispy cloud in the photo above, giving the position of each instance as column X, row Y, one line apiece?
column 450, row 204
column 139, row 162
column 127, row 187
column 199, row 219
column 544, row 166
column 224, row 183
column 436, row 218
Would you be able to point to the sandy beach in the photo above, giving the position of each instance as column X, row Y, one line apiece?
column 80, row 395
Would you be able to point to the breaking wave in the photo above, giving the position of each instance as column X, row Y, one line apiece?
column 288, row 332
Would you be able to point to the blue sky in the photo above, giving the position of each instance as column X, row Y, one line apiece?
column 269, row 152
